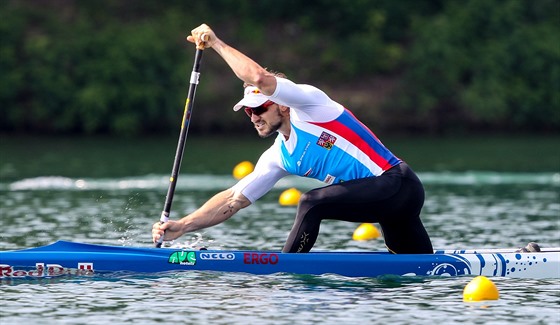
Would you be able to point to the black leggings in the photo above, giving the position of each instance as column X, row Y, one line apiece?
column 393, row 199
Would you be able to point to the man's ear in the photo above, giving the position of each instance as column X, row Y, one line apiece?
column 284, row 109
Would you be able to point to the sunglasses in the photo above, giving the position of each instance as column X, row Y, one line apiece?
column 259, row 109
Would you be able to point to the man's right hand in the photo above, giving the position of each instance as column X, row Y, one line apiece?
column 203, row 36
column 171, row 230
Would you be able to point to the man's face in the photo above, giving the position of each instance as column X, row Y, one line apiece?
column 266, row 121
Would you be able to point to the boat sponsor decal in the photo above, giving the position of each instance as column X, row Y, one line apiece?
column 182, row 258
column 217, row 256
column 45, row 270
column 491, row 264
column 260, row 258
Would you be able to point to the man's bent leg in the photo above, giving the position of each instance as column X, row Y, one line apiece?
column 305, row 230
column 391, row 199
column 348, row 201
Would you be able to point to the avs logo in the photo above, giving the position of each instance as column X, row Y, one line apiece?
column 217, row 256
column 183, row 258
column 326, row 140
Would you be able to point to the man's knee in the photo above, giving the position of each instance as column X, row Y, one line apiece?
column 309, row 200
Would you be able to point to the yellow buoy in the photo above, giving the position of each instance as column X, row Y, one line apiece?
column 480, row 288
column 366, row 231
column 289, row 197
column 243, row 169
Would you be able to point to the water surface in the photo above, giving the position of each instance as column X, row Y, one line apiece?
column 462, row 210
column 109, row 191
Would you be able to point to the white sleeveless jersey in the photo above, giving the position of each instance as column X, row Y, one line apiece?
column 326, row 143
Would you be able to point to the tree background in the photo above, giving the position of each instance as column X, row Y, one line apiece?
column 409, row 66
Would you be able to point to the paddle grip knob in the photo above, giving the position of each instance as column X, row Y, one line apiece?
column 203, row 39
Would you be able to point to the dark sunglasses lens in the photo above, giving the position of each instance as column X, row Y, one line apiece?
column 259, row 110
column 255, row 110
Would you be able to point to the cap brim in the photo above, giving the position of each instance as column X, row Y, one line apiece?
column 252, row 98
column 252, row 101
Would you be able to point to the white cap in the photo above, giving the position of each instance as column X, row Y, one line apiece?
column 252, row 98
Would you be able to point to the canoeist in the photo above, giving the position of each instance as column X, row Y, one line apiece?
column 318, row 138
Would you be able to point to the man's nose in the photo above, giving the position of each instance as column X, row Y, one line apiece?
column 255, row 117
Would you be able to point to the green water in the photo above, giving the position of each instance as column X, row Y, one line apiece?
column 480, row 193
column 23, row 157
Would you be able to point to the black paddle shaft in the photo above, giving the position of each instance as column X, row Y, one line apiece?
column 182, row 139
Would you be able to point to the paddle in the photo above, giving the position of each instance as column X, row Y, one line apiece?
column 195, row 74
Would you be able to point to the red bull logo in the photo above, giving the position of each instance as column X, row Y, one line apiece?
column 44, row 270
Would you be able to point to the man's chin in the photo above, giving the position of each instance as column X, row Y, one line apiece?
column 265, row 133
column 267, row 130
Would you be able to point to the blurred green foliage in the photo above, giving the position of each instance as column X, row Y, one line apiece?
column 491, row 64
column 123, row 67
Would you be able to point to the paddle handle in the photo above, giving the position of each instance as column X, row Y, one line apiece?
column 195, row 75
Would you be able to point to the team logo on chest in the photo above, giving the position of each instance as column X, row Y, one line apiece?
column 326, row 140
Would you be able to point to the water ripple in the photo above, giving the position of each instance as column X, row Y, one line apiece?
column 213, row 182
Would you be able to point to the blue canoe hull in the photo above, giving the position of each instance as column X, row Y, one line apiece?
column 65, row 257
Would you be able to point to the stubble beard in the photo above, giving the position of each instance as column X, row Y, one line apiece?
column 269, row 130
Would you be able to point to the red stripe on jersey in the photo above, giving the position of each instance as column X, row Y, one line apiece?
column 352, row 137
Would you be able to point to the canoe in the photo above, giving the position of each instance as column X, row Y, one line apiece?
column 73, row 258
